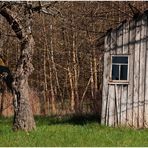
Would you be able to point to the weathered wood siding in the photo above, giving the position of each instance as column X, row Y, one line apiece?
column 127, row 104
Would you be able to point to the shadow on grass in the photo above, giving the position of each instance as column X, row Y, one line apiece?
column 72, row 119
column 4, row 119
column 54, row 120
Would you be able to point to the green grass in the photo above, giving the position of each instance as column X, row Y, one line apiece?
column 70, row 132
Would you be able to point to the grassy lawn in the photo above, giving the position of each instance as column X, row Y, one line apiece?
column 59, row 132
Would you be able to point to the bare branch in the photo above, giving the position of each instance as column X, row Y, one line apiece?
column 134, row 10
column 44, row 8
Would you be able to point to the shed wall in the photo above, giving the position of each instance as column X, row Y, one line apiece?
column 127, row 104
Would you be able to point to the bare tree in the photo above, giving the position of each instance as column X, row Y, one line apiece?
column 23, row 116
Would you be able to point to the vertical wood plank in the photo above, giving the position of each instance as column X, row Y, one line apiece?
column 142, row 72
column 105, row 79
column 113, row 45
column 118, row 91
column 111, row 97
column 116, row 105
column 125, row 87
column 120, row 40
column 136, row 75
column 113, row 101
column 123, row 104
column 125, row 37
column 146, row 93
column 146, row 83
column 107, row 109
column 132, row 35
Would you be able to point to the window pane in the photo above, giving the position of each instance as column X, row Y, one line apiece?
column 123, row 74
column 115, row 72
column 118, row 59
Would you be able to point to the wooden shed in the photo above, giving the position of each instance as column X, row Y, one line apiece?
column 125, row 79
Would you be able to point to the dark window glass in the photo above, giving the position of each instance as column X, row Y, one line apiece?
column 119, row 60
column 119, row 67
column 123, row 72
column 115, row 72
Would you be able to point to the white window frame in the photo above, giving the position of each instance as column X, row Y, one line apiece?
column 119, row 81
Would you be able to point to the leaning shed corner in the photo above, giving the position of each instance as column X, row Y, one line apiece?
column 125, row 79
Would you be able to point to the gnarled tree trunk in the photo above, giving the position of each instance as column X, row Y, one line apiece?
column 23, row 116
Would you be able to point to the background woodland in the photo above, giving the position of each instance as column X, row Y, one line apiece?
column 68, row 55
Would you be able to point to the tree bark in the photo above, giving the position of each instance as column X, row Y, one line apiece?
column 75, row 68
column 45, row 51
column 53, row 106
column 53, row 71
column 23, row 117
column 72, row 99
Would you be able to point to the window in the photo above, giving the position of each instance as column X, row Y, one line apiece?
column 119, row 70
